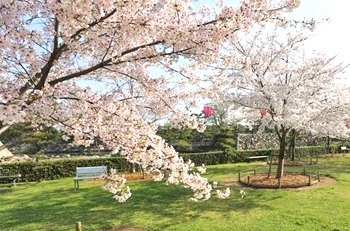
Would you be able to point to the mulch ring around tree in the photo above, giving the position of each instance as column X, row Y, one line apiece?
column 297, row 162
column 288, row 181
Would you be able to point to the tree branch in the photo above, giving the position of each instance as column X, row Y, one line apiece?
column 108, row 62
column 55, row 53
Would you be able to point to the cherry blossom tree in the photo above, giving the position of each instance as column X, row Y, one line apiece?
column 221, row 114
column 295, row 90
column 141, row 55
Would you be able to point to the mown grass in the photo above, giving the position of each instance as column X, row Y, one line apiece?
column 56, row 206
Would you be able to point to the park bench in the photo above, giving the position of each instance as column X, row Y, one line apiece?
column 88, row 173
column 5, row 175
column 344, row 149
column 250, row 158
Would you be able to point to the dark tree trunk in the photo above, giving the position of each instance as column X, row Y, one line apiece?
column 291, row 149
column 329, row 145
column 282, row 137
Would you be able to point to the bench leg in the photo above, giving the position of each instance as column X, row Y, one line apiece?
column 14, row 183
column 76, row 184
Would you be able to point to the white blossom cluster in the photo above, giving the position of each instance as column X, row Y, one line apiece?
column 50, row 50
column 115, row 184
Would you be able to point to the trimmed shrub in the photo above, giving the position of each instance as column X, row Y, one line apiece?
column 54, row 169
column 242, row 155
column 208, row 158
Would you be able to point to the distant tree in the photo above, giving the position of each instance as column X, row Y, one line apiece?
column 32, row 139
column 221, row 114
column 180, row 138
column 225, row 139
column 16, row 133
column 42, row 138
column 294, row 88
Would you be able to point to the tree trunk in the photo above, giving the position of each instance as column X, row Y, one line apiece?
column 132, row 168
column 282, row 136
column 3, row 128
column 280, row 168
column 328, row 144
column 292, row 145
column 270, row 166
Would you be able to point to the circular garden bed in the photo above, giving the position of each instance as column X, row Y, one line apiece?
column 287, row 181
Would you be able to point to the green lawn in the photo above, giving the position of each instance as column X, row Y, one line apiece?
column 55, row 206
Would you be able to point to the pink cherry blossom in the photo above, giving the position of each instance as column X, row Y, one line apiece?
column 50, row 48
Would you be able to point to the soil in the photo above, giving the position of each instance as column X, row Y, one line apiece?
column 138, row 176
column 297, row 182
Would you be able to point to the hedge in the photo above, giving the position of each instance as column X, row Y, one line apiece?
column 302, row 152
column 208, row 158
column 54, row 169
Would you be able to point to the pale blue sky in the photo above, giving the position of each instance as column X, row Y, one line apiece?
column 333, row 36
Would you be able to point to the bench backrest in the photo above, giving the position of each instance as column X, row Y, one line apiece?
column 91, row 171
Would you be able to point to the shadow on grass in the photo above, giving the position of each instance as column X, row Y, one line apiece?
column 4, row 189
column 171, row 205
column 55, row 205
column 50, row 208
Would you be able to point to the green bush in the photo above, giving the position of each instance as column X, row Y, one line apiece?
column 309, row 151
column 301, row 152
column 243, row 154
column 208, row 158
column 54, row 169
column 224, row 140
column 182, row 145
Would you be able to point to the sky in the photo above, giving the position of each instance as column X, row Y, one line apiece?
column 331, row 37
